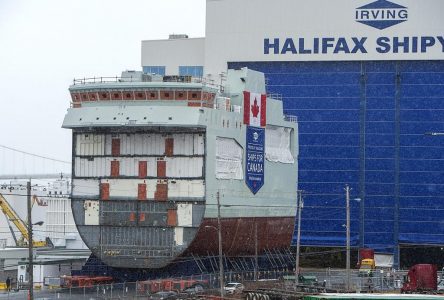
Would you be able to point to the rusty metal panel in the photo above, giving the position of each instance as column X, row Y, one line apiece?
column 90, row 144
column 88, row 187
column 169, row 146
column 115, row 147
column 151, row 166
column 194, row 189
column 161, row 168
column 104, row 191
column 143, row 168
column 115, row 168
column 141, row 191
column 142, row 217
column 184, row 167
column 172, row 217
column 161, row 193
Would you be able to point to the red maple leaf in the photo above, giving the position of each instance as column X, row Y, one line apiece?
column 255, row 108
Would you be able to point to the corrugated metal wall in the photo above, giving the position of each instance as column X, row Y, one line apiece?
column 176, row 167
column 139, row 144
column 363, row 124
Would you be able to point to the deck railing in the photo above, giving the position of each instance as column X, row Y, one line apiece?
column 146, row 78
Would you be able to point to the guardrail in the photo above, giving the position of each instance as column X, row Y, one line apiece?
column 146, row 78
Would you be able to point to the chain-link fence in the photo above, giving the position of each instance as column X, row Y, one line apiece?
column 330, row 279
column 374, row 281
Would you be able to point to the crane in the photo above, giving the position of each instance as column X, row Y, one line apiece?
column 13, row 217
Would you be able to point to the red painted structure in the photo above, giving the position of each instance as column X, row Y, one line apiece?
column 366, row 253
column 238, row 235
column 421, row 278
column 84, row 281
column 169, row 284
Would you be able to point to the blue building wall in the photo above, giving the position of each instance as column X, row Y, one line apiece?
column 363, row 124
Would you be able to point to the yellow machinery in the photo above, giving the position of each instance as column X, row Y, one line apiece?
column 12, row 216
column 367, row 267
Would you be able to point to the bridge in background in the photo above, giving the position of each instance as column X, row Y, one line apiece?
column 19, row 164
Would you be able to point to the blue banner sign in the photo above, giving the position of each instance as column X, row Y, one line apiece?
column 254, row 171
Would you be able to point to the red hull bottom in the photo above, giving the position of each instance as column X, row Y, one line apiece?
column 239, row 236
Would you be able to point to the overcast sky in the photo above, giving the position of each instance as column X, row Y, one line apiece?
column 44, row 44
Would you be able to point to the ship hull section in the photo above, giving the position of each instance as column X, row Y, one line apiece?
column 241, row 236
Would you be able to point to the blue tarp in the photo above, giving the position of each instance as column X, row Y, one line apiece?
column 363, row 124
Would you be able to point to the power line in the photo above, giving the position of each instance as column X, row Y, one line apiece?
column 35, row 155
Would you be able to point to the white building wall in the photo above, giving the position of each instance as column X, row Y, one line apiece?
column 252, row 21
column 236, row 31
column 173, row 53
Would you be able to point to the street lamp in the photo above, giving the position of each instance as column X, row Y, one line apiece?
column 298, row 241
column 347, row 227
column 30, row 242
column 219, row 234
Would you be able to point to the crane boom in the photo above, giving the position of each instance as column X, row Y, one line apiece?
column 12, row 216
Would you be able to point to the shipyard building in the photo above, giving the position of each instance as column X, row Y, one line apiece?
column 366, row 81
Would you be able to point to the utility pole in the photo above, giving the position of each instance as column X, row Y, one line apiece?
column 298, row 243
column 221, row 265
column 30, row 245
column 256, row 265
column 347, row 199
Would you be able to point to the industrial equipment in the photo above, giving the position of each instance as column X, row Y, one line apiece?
column 421, row 278
column 13, row 217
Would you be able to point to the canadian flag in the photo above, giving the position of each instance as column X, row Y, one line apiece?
column 255, row 109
